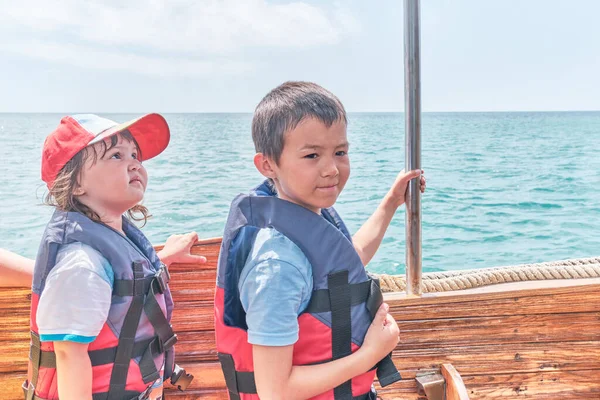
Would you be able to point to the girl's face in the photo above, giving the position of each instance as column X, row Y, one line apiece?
column 113, row 182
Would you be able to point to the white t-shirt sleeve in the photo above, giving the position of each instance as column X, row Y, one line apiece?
column 76, row 299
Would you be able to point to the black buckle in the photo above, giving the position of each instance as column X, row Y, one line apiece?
column 167, row 344
column 163, row 277
column 28, row 390
column 181, row 378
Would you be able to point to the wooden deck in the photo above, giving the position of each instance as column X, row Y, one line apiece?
column 534, row 340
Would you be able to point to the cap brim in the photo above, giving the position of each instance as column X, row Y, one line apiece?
column 151, row 132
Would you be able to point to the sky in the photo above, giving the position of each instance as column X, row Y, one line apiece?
column 224, row 56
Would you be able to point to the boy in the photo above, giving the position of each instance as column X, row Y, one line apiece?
column 296, row 314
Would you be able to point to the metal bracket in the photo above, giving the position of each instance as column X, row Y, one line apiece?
column 432, row 385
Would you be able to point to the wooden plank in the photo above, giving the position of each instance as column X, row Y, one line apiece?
column 479, row 360
column 193, row 285
column 537, row 340
column 11, row 385
column 551, row 385
column 501, row 358
column 455, row 387
column 561, row 300
column 493, row 330
column 209, row 378
column 548, row 386
column 193, row 316
column 500, row 291
column 191, row 347
column 470, row 360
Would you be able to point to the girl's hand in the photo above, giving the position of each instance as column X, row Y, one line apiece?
column 177, row 249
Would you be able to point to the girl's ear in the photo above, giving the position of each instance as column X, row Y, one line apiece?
column 265, row 165
column 78, row 191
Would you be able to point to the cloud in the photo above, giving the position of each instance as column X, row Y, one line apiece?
column 197, row 33
column 86, row 57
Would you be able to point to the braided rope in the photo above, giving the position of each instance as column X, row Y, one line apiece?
column 469, row 279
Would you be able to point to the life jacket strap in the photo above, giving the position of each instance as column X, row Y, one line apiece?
column 124, row 352
column 162, row 327
column 238, row 382
column 241, row 382
column 127, row 395
column 387, row 373
column 370, row 395
column 340, row 300
column 35, row 353
column 165, row 337
column 368, row 292
column 124, row 287
column 144, row 291
column 102, row 356
column 364, row 292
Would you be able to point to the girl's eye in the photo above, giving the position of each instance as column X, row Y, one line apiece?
column 117, row 155
column 341, row 153
column 311, row 156
column 134, row 155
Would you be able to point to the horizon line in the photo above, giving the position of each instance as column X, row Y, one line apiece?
column 251, row 112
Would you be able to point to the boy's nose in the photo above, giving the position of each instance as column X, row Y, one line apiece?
column 330, row 169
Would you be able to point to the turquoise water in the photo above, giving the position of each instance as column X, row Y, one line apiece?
column 503, row 188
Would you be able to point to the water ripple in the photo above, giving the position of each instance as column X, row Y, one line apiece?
column 503, row 188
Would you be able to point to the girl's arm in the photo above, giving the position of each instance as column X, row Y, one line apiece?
column 178, row 248
column 74, row 370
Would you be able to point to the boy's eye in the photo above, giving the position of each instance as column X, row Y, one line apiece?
column 134, row 155
column 341, row 153
column 117, row 155
column 311, row 156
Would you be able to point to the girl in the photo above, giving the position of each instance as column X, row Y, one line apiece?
column 101, row 305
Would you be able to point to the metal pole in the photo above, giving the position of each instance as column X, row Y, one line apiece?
column 412, row 115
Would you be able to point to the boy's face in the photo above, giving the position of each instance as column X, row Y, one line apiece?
column 314, row 165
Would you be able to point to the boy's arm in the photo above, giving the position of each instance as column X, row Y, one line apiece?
column 74, row 370
column 276, row 378
column 368, row 238
column 15, row 270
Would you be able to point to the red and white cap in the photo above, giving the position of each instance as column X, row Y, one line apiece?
column 76, row 132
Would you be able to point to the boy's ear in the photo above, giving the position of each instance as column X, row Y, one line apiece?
column 264, row 165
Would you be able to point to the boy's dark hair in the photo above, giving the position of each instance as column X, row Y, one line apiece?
column 284, row 107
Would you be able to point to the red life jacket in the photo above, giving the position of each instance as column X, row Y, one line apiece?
column 137, row 339
column 342, row 306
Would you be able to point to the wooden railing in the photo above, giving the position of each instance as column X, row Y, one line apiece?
column 538, row 342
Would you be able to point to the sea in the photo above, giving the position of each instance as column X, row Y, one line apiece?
column 502, row 188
